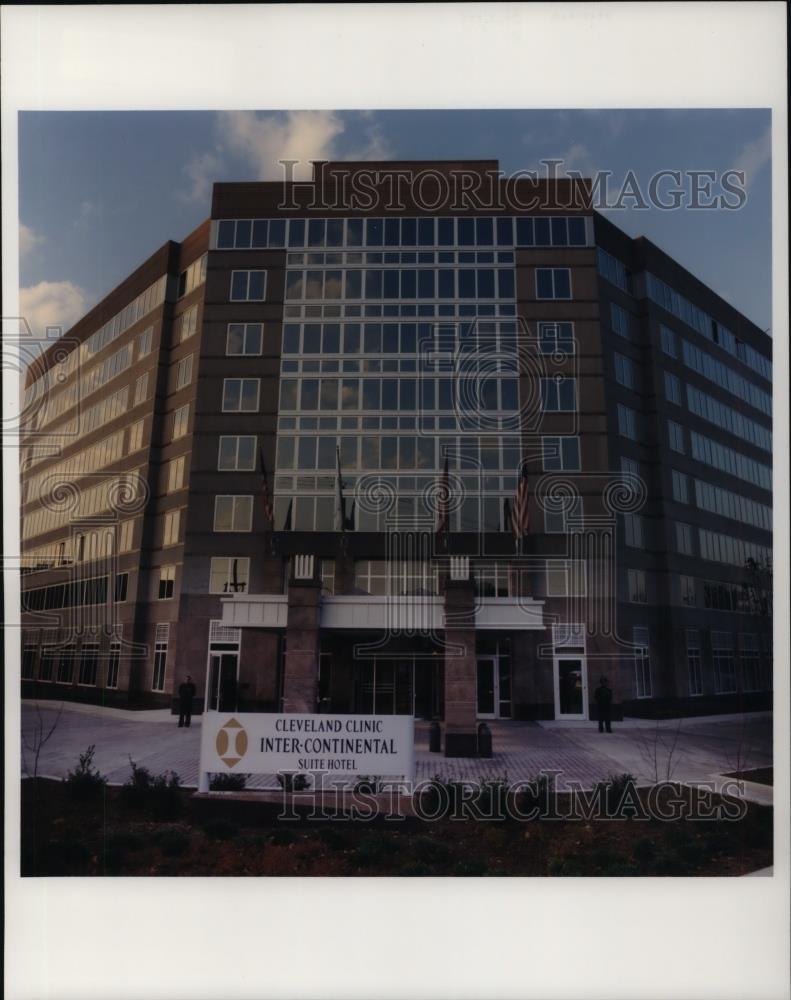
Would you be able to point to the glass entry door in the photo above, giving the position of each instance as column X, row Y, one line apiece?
column 571, row 688
column 223, row 668
column 488, row 687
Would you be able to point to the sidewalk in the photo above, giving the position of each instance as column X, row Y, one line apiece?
column 690, row 750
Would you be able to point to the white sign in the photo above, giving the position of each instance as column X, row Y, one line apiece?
column 267, row 743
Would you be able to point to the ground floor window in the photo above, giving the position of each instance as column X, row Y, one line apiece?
column 723, row 660
column 161, row 638
column 642, row 662
column 66, row 665
column 694, row 663
column 113, row 664
column 28, row 663
column 88, row 663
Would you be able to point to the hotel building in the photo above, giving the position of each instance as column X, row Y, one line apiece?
column 284, row 455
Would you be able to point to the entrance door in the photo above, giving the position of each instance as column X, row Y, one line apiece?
column 571, row 688
column 488, row 688
column 223, row 668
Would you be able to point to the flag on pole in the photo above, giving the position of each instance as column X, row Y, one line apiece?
column 443, row 506
column 350, row 519
column 506, row 514
column 266, row 494
column 520, row 518
column 340, row 503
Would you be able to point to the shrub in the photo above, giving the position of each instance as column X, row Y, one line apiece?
column 173, row 841
column 85, row 783
column 535, row 794
column 416, row 869
column 291, row 782
column 470, row 868
column 225, row 782
column 220, row 829
column 284, row 837
column 63, row 857
column 614, row 789
column 333, row 838
column 644, row 850
column 430, row 851
column 159, row 795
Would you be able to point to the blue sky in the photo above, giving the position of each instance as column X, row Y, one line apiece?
column 99, row 192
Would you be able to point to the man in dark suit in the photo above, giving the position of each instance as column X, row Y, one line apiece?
column 186, row 694
column 603, row 695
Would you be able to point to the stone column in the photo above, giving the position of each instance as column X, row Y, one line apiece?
column 461, row 692
column 301, row 667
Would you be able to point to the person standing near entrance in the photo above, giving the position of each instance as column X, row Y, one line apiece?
column 603, row 695
column 186, row 694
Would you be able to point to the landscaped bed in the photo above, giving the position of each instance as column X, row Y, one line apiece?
column 149, row 829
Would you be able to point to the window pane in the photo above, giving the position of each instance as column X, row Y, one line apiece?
column 329, row 394
column 425, row 232
column 327, row 458
column 544, row 283
column 331, row 339
column 309, row 399
column 239, row 285
column 354, row 232
column 235, row 338
column 486, row 284
column 354, row 284
column 351, row 338
column 371, row 394
column 425, row 284
column 288, row 394
column 389, row 446
column 250, row 394
column 350, row 394
column 407, row 394
column 256, row 285
column 562, row 284
column 306, row 453
column 505, row 280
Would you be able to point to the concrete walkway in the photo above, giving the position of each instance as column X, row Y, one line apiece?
column 696, row 750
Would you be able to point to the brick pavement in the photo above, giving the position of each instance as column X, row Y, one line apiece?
column 522, row 750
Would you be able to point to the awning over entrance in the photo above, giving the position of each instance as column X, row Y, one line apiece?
column 363, row 611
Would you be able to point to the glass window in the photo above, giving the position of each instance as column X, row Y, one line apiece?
column 642, row 662
column 627, row 422
column 676, row 435
column 233, row 513
column 680, row 487
column 236, row 453
column 636, row 586
column 229, row 575
column 240, row 395
column 668, row 339
column 624, row 370
column 244, row 338
column 167, row 577
column 672, row 388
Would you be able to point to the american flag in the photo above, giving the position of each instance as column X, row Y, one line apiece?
column 269, row 513
column 520, row 518
column 443, row 503
column 340, row 501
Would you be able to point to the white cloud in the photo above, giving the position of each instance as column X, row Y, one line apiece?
column 28, row 241
column 52, row 303
column 754, row 156
column 261, row 141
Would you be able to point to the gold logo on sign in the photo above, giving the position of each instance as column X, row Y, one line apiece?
column 231, row 743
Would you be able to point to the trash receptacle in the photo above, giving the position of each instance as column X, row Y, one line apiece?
column 434, row 738
column 484, row 740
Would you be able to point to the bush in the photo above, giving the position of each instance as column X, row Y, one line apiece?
column 614, row 789
column 416, row 869
column 63, row 857
column 333, row 838
column 225, row 782
column 291, row 782
column 535, row 794
column 284, row 837
column 172, row 841
column 85, row 783
column 471, row 868
column 644, row 850
column 158, row 795
column 220, row 829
